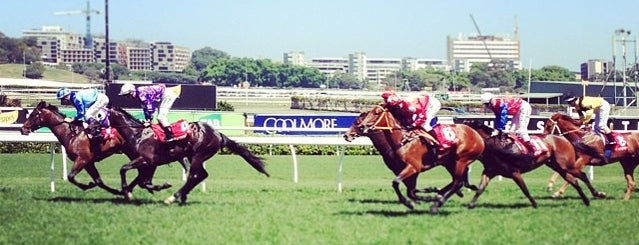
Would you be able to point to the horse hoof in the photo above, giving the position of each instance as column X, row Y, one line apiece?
column 128, row 195
column 471, row 206
column 601, row 195
column 556, row 195
column 549, row 189
column 169, row 200
column 434, row 209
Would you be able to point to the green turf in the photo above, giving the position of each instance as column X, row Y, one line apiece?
column 242, row 207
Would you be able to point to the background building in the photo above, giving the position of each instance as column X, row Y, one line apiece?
column 463, row 52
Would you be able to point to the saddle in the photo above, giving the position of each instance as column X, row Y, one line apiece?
column 537, row 146
column 180, row 129
column 444, row 140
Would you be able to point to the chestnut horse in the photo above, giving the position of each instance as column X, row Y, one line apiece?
column 80, row 148
column 504, row 157
column 418, row 157
column 387, row 141
column 591, row 147
column 203, row 143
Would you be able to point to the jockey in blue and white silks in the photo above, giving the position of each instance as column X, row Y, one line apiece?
column 87, row 102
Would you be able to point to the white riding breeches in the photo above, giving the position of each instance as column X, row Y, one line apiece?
column 431, row 110
column 521, row 120
column 163, row 110
column 601, row 118
column 92, row 112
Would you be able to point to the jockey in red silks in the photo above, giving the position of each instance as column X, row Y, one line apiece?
column 518, row 108
column 415, row 111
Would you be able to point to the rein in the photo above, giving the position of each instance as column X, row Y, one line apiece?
column 556, row 127
column 385, row 118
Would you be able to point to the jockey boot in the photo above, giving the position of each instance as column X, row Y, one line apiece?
column 168, row 134
column 610, row 139
column 434, row 147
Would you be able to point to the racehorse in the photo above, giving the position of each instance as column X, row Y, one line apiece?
column 387, row 141
column 80, row 148
column 506, row 157
column 418, row 156
column 201, row 144
column 591, row 146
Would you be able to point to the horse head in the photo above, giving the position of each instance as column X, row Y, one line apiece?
column 561, row 124
column 43, row 115
column 379, row 118
column 355, row 130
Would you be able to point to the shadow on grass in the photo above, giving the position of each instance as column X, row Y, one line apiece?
column 118, row 201
column 391, row 213
column 374, row 201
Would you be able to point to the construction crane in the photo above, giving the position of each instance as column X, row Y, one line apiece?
column 88, row 41
column 493, row 63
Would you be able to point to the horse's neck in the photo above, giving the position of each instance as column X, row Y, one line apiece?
column 124, row 126
column 63, row 131
column 384, row 141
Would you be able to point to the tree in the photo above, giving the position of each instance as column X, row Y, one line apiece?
column 203, row 57
column 35, row 70
column 553, row 73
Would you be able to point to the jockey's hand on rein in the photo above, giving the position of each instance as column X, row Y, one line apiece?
column 495, row 132
column 68, row 119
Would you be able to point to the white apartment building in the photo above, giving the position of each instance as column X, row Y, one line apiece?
column 373, row 70
column 61, row 46
column 294, row 58
column 168, row 57
column 463, row 52
column 593, row 70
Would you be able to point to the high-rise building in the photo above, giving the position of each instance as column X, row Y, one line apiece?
column 168, row 57
column 463, row 52
column 595, row 70
column 294, row 58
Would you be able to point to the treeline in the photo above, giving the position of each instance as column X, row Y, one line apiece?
column 216, row 67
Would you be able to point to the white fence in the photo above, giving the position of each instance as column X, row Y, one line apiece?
column 291, row 141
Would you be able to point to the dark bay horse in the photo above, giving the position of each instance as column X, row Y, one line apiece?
column 504, row 157
column 418, row 156
column 387, row 141
column 203, row 143
column 78, row 146
column 591, row 147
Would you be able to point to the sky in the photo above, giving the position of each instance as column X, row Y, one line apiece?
column 552, row 32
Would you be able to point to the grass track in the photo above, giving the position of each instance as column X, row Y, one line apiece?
column 242, row 207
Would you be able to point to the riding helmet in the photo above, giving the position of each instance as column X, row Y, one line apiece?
column 62, row 92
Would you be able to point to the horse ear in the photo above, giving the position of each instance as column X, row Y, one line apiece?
column 42, row 104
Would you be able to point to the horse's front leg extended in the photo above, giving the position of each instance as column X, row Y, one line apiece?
column 93, row 172
column 78, row 165
column 485, row 179
column 405, row 173
column 135, row 163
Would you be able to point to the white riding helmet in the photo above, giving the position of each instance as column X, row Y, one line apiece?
column 127, row 88
column 486, row 97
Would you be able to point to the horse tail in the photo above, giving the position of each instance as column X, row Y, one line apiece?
column 256, row 162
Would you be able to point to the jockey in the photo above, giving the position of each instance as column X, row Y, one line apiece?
column 153, row 97
column 88, row 103
column 514, row 106
column 419, row 110
column 598, row 106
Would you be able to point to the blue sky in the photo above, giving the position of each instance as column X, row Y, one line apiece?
column 552, row 32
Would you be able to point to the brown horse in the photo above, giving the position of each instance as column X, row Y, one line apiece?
column 203, row 143
column 591, row 147
column 504, row 156
column 418, row 156
column 83, row 151
column 387, row 141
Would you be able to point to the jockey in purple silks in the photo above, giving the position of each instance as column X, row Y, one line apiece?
column 152, row 98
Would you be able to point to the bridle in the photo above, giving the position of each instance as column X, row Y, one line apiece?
column 555, row 127
column 384, row 118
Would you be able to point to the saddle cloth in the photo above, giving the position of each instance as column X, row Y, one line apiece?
column 180, row 130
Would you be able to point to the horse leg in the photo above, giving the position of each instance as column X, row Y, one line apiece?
column 127, row 189
column 145, row 180
column 458, row 173
column 93, row 172
column 596, row 194
column 78, row 165
column 628, row 170
column 560, row 192
column 197, row 174
column 405, row 173
column 522, row 185
column 571, row 179
column 485, row 179
column 551, row 181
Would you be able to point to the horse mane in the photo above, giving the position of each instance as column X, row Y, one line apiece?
column 477, row 125
column 564, row 117
column 55, row 109
column 127, row 116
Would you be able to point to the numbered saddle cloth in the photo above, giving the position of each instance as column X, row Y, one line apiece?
column 446, row 135
column 180, row 129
